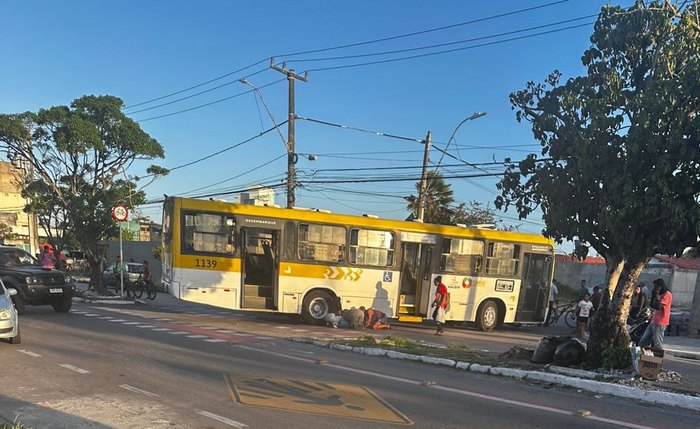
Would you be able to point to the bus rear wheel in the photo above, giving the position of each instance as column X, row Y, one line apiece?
column 315, row 307
column 487, row 316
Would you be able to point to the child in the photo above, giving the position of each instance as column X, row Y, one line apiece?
column 583, row 310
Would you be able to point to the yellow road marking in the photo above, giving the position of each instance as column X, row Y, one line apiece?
column 313, row 397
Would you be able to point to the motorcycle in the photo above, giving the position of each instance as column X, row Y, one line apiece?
column 637, row 326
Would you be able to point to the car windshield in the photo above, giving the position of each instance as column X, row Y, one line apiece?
column 16, row 257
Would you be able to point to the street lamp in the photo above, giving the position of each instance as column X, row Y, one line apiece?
column 424, row 184
column 476, row 115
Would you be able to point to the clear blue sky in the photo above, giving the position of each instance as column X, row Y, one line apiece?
column 53, row 52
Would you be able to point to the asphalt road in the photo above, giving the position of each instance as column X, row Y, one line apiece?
column 176, row 365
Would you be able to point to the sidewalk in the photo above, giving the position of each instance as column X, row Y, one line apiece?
column 683, row 347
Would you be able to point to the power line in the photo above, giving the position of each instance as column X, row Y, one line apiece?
column 368, row 42
column 238, row 175
column 377, row 133
column 224, row 150
column 411, row 57
column 210, row 103
column 194, row 95
column 440, row 45
column 196, row 86
column 416, row 33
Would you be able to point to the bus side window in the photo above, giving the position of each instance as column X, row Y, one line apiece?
column 231, row 227
column 290, row 241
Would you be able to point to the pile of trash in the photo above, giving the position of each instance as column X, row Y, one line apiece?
column 563, row 350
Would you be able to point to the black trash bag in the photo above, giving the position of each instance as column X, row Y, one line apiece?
column 571, row 352
column 544, row 353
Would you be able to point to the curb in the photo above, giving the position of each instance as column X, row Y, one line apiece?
column 649, row 396
column 682, row 354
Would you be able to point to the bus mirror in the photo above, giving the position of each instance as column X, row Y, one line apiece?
column 229, row 222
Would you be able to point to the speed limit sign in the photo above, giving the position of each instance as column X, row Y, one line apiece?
column 120, row 213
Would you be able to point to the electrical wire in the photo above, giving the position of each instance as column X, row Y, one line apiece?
column 377, row 133
column 196, row 86
column 440, row 45
column 210, row 103
column 447, row 51
column 432, row 30
column 238, row 175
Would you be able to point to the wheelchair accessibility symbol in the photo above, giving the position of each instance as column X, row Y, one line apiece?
column 388, row 275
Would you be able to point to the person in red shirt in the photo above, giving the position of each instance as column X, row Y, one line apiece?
column 440, row 304
column 661, row 299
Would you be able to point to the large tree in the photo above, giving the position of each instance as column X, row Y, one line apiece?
column 78, row 157
column 620, row 158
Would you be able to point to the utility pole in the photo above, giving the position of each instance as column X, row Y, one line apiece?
column 291, row 156
column 424, row 179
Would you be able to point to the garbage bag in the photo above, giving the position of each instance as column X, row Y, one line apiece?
column 544, row 353
column 571, row 352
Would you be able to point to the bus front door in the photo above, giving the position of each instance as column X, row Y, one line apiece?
column 534, row 289
column 260, row 267
column 415, row 278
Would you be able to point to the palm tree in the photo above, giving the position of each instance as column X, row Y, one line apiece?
column 438, row 198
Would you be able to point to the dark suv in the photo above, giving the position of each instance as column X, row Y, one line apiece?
column 35, row 285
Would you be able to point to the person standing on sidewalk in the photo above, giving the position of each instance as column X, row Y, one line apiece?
column 440, row 304
column 661, row 299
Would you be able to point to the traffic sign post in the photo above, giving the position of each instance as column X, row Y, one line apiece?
column 120, row 213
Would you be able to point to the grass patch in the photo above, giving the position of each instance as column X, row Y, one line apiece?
column 459, row 352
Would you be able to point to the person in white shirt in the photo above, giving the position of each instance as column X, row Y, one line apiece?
column 583, row 310
column 553, row 291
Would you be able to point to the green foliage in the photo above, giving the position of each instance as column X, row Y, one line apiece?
column 6, row 232
column 79, row 156
column 158, row 253
column 616, row 358
column 438, row 198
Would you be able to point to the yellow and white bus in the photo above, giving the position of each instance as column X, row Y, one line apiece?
column 311, row 262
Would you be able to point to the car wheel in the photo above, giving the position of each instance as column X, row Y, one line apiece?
column 62, row 306
column 17, row 338
column 20, row 304
column 487, row 316
column 316, row 305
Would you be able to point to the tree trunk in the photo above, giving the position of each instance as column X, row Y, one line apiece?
column 94, row 258
column 608, row 323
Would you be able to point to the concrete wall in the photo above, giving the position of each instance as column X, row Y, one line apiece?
column 139, row 251
column 683, row 287
column 571, row 274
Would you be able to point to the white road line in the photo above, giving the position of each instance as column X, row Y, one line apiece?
column 222, row 419
column 300, row 330
column 163, row 320
column 215, row 340
column 27, row 352
column 160, row 329
column 209, row 327
column 178, row 333
column 146, row 326
column 106, row 317
column 137, row 390
column 91, row 314
column 197, row 336
column 241, row 334
column 263, row 338
column 74, row 368
column 283, row 327
column 131, row 323
column 118, row 320
column 225, row 331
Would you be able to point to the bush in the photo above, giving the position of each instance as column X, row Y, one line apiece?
column 616, row 358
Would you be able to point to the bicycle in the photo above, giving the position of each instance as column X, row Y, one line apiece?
column 566, row 310
column 141, row 285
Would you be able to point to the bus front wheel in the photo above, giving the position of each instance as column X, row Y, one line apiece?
column 487, row 316
column 316, row 305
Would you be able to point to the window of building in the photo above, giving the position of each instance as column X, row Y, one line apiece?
column 371, row 247
column 209, row 233
column 461, row 255
column 323, row 243
column 503, row 259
